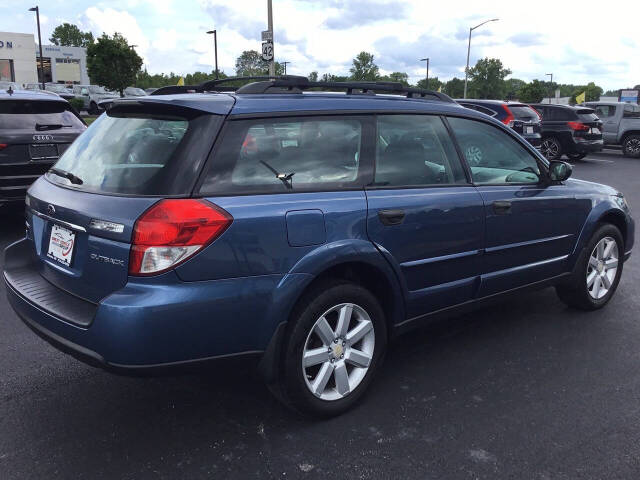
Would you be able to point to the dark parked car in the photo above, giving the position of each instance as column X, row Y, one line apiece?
column 520, row 117
column 35, row 129
column 303, row 228
column 570, row 131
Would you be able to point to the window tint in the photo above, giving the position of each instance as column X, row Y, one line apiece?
column 493, row 156
column 631, row 110
column 604, row 111
column 25, row 114
column 524, row 113
column 415, row 150
column 129, row 154
column 280, row 154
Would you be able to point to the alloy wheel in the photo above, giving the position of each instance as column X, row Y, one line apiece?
column 602, row 268
column 338, row 351
column 549, row 148
column 633, row 146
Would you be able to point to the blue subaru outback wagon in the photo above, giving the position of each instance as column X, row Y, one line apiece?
column 304, row 227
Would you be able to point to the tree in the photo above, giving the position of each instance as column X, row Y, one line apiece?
column 112, row 62
column 512, row 87
column 487, row 78
column 532, row 92
column 454, row 88
column 434, row 84
column 68, row 35
column 593, row 93
column 313, row 76
column 251, row 64
column 363, row 68
column 399, row 77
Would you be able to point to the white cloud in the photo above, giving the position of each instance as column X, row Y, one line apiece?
column 109, row 21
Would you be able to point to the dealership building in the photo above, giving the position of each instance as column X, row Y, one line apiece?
column 20, row 61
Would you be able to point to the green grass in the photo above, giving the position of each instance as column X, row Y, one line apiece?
column 89, row 119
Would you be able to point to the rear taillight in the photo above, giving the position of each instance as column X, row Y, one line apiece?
column 172, row 231
column 578, row 126
column 509, row 119
column 3, row 145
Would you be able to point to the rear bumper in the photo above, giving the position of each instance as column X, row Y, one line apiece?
column 159, row 323
column 589, row 146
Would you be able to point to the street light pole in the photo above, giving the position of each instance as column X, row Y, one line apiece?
column 551, row 75
column 285, row 66
column 466, row 70
column 272, row 65
column 427, row 60
column 215, row 47
column 37, row 10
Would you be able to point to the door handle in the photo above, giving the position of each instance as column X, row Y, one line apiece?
column 501, row 207
column 391, row 217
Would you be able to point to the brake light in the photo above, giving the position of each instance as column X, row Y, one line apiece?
column 508, row 121
column 172, row 231
column 3, row 145
column 578, row 126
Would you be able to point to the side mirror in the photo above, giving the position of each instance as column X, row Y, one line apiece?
column 559, row 171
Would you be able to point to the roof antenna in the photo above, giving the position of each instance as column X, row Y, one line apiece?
column 10, row 91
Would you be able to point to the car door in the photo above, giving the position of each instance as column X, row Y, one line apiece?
column 423, row 213
column 531, row 224
column 607, row 113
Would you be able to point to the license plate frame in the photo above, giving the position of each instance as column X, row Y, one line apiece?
column 529, row 130
column 61, row 245
column 594, row 131
column 43, row 151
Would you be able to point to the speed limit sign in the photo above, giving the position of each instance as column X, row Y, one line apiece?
column 267, row 51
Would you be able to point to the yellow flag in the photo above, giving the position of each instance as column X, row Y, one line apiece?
column 180, row 82
column 440, row 89
column 581, row 98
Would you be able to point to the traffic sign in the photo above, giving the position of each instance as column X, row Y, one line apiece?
column 267, row 51
column 267, row 36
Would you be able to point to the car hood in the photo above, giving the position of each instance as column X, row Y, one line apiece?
column 592, row 186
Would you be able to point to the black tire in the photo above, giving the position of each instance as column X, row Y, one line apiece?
column 551, row 148
column 576, row 156
column 575, row 292
column 93, row 108
column 292, row 386
column 631, row 146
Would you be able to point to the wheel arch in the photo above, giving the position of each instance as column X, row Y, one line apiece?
column 627, row 133
column 607, row 213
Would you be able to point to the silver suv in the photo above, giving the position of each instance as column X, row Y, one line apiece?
column 91, row 95
column 621, row 125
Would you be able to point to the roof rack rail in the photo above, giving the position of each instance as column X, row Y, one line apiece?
column 296, row 84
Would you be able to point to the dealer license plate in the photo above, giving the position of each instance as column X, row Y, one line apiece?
column 529, row 129
column 61, row 245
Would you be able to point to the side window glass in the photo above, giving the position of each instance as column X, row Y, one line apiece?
column 280, row 154
column 493, row 156
column 415, row 150
column 604, row 111
column 631, row 110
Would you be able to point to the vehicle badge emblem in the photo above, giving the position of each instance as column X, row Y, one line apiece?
column 51, row 209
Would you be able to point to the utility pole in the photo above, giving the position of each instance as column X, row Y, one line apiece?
column 37, row 10
column 215, row 47
column 285, row 66
column 272, row 65
column 550, row 75
column 466, row 70
column 427, row 60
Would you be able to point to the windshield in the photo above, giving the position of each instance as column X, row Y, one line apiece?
column 124, row 154
column 6, row 85
column 26, row 114
column 524, row 112
column 135, row 91
column 57, row 88
column 96, row 89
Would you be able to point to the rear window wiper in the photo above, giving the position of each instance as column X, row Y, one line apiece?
column 68, row 175
column 51, row 126
column 285, row 178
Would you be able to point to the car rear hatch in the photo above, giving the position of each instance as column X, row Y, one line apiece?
column 33, row 135
column 526, row 121
column 588, row 127
column 82, row 213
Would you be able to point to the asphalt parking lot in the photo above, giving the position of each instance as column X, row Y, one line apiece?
column 528, row 389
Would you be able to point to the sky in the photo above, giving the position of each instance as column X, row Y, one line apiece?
column 574, row 42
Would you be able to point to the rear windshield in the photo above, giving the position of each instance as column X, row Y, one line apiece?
column 126, row 154
column 587, row 115
column 524, row 112
column 37, row 115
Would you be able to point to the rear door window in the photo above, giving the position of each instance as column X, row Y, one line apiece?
column 604, row 111
column 287, row 154
column 524, row 113
column 587, row 115
column 415, row 150
column 37, row 115
column 632, row 111
column 136, row 154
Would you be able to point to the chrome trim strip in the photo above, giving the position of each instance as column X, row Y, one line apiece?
column 440, row 259
column 73, row 226
column 522, row 267
column 524, row 244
